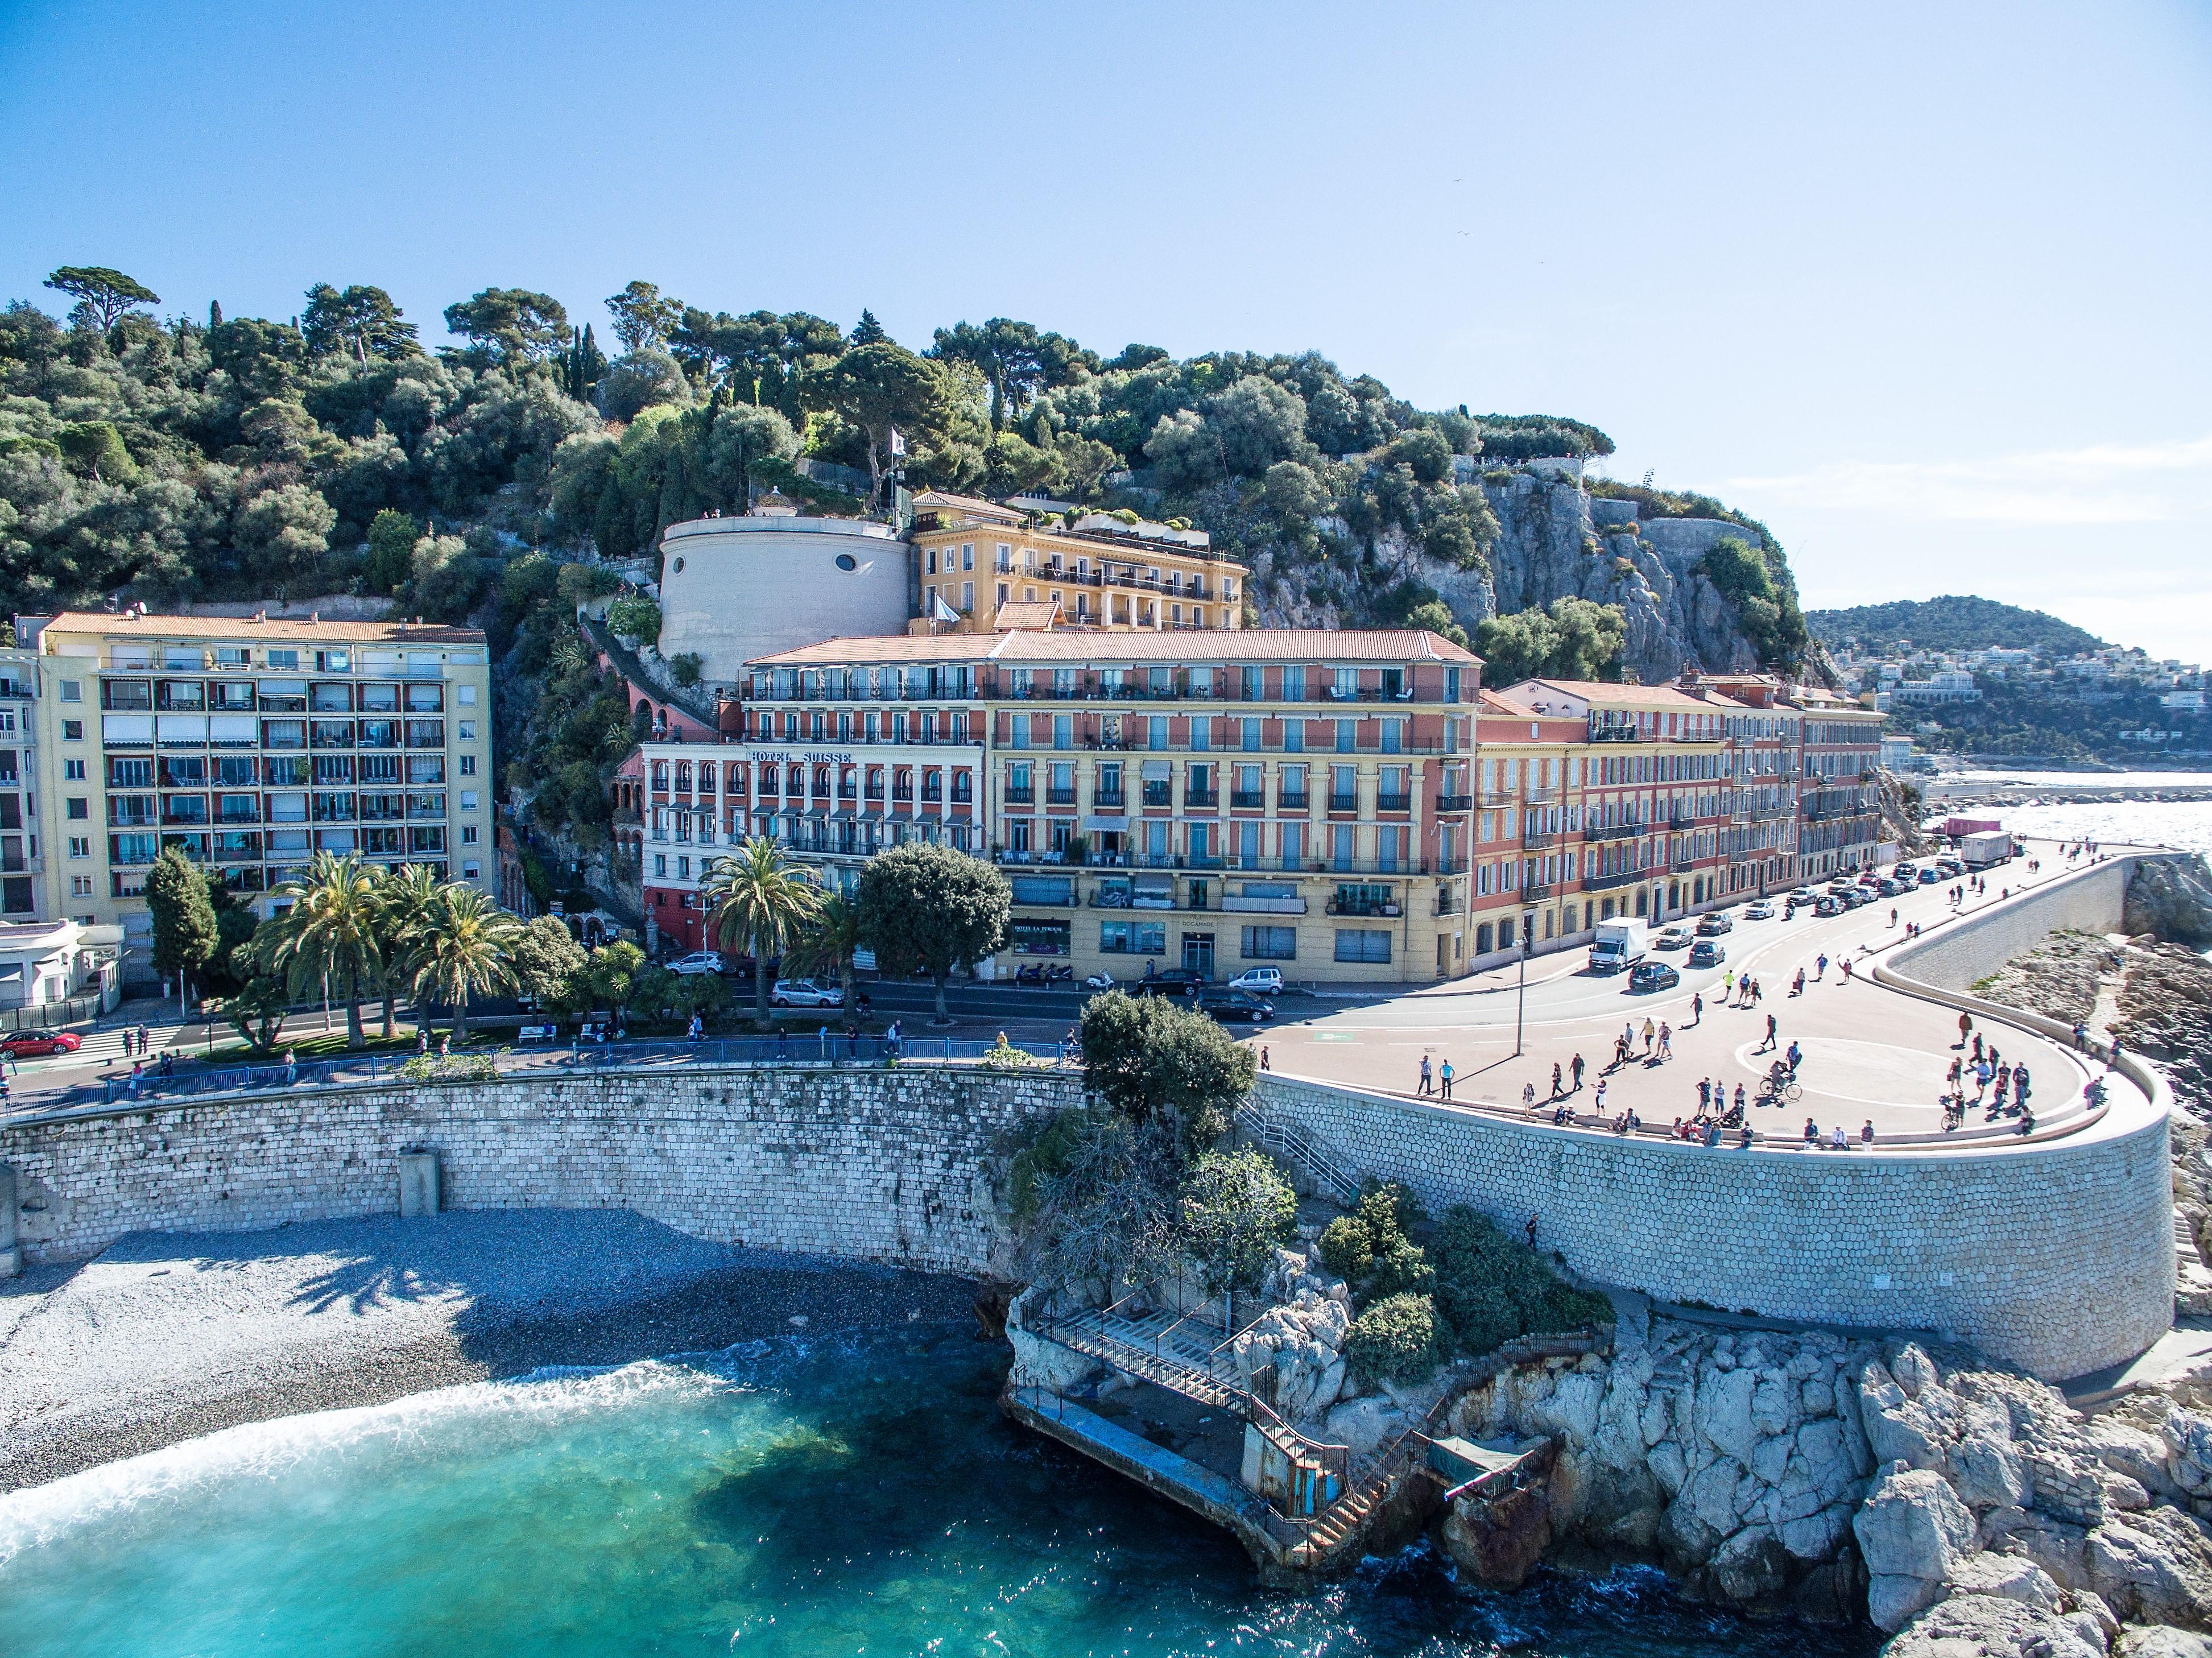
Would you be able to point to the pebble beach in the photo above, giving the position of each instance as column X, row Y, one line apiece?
column 167, row 1336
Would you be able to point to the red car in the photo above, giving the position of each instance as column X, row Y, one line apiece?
column 29, row 1044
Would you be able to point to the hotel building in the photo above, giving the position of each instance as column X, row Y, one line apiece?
column 252, row 743
column 1295, row 798
column 974, row 559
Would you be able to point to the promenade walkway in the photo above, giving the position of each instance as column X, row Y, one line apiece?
column 1868, row 1055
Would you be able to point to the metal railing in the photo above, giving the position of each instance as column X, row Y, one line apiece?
column 823, row 1046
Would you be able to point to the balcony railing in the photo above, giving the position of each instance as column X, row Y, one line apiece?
column 1060, row 797
column 1493, row 799
column 1339, row 802
column 1613, row 831
column 1201, row 796
column 1618, row 878
column 1248, row 800
column 1294, row 800
column 1607, row 732
column 1455, row 803
column 1393, row 803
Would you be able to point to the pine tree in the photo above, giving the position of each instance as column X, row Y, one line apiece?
column 185, row 929
column 869, row 332
column 214, row 315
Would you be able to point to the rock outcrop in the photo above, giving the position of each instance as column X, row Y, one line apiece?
column 1949, row 1503
column 2171, row 899
column 1554, row 541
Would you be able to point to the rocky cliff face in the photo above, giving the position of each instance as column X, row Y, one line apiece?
column 1554, row 541
column 1808, row 1473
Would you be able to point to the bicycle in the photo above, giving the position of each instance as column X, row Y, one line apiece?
column 1786, row 1091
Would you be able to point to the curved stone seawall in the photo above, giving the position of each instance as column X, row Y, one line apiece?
column 876, row 1165
column 2058, row 1257
column 1961, row 953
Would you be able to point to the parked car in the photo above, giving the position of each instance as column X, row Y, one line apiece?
column 1891, row 887
column 1828, row 905
column 1706, row 953
column 1930, row 875
column 1712, row 927
column 1906, row 872
column 1759, row 910
column 1652, row 975
column 1260, row 980
column 1855, row 897
column 1172, row 981
column 1674, row 937
column 1803, row 895
column 805, row 992
column 699, row 961
column 1227, row 1005
column 29, row 1044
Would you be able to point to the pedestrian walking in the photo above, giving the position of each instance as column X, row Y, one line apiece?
column 1597, row 1100
column 1650, row 1031
column 291, row 1067
column 1444, row 1073
column 1575, row 1066
column 1866, row 1134
column 1532, row 1231
column 1705, row 1094
column 1528, row 1091
column 1555, row 1080
column 1798, row 988
column 145, row 1039
column 1966, row 1028
column 1697, row 1009
column 1727, row 985
column 1757, row 990
column 1847, row 969
column 1666, row 1041
column 1266, row 1063
column 1770, row 1041
column 1793, row 1056
column 1426, row 1085
column 1821, row 967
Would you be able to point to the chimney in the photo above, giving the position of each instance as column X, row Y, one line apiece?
column 314, row 617
column 261, row 615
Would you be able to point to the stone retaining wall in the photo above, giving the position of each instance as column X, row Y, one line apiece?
column 1960, row 954
column 877, row 1165
column 2056, row 1257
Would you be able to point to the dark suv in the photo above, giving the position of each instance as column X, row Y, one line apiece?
column 1173, row 981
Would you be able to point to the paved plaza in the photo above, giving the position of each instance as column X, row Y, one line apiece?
column 1866, row 1053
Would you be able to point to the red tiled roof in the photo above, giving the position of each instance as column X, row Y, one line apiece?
column 1378, row 646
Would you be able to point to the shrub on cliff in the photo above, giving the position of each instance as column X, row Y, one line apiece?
column 1380, row 1228
column 1399, row 1339
column 1491, row 1289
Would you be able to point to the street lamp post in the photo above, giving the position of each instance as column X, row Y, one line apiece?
column 1520, row 996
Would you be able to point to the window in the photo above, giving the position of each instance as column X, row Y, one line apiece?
column 1270, row 943
column 660, row 864
column 72, row 731
column 468, row 799
column 468, row 731
column 80, row 809
column 1253, row 679
column 73, row 771
column 1132, row 937
column 1362, row 944
column 73, row 691
column 1294, row 685
column 468, row 765
column 466, row 696
column 1346, row 731
column 283, row 658
column 79, row 845
column 474, row 871
column 79, row 886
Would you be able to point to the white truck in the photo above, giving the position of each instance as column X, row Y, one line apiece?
column 1984, row 847
column 1618, row 946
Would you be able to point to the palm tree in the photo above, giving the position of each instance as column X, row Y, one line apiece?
column 463, row 947
column 330, row 933
column 758, row 901
column 406, row 900
column 828, row 941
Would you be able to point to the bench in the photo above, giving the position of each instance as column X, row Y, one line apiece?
column 538, row 1033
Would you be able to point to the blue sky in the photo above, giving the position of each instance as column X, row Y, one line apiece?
column 1922, row 287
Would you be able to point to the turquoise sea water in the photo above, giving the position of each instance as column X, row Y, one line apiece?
column 856, row 1496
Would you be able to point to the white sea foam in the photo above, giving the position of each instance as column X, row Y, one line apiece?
column 421, row 1426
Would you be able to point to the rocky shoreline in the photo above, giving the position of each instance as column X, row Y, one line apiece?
column 167, row 1336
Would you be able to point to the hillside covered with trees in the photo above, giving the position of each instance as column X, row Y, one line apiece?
column 1951, row 623
column 218, row 457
